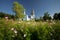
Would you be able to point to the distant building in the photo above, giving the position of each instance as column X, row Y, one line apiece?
column 32, row 15
column 27, row 17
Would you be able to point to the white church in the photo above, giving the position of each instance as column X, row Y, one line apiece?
column 27, row 17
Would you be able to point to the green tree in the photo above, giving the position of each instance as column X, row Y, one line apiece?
column 47, row 16
column 59, row 16
column 3, row 15
column 55, row 17
column 18, row 9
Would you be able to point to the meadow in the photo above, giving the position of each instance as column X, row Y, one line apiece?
column 29, row 30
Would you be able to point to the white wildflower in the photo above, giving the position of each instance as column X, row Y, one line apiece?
column 12, row 28
column 25, row 35
column 15, row 31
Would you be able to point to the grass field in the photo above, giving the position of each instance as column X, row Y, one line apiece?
column 29, row 30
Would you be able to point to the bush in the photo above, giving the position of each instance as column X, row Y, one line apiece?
column 56, row 29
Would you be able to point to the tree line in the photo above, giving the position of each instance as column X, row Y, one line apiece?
column 47, row 16
column 3, row 15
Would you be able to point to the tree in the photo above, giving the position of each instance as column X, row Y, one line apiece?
column 18, row 9
column 3, row 15
column 55, row 17
column 59, row 16
column 46, row 16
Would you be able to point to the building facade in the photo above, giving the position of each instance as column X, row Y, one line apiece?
column 27, row 17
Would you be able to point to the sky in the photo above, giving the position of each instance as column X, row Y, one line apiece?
column 39, row 6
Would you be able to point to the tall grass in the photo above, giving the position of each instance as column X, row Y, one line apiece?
column 15, row 30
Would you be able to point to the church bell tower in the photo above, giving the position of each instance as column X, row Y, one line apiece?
column 32, row 15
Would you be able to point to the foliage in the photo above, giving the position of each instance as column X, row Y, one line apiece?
column 47, row 16
column 3, row 15
column 56, row 29
column 18, row 9
column 15, row 30
column 56, row 16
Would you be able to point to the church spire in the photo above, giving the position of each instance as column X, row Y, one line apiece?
column 32, row 13
column 24, row 12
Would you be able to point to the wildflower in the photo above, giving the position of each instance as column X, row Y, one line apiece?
column 25, row 35
column 15, row 31
column 12, row 28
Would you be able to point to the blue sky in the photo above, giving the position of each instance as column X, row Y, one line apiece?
column 39, row 6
